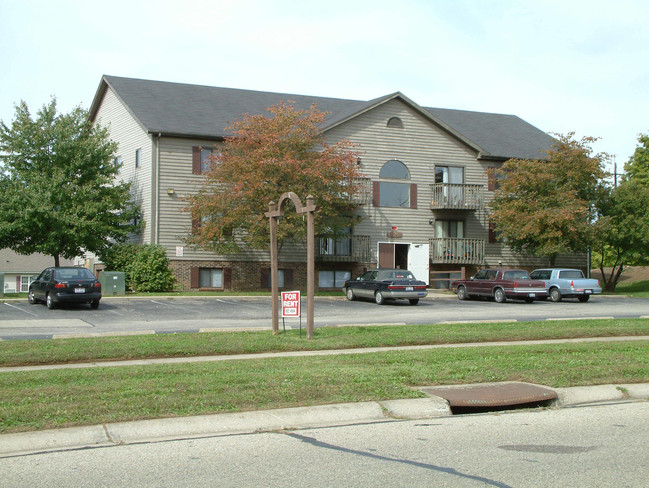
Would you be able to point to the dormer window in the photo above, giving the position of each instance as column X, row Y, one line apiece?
column 395, row 122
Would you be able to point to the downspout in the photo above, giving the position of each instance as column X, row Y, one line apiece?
column 155, row 231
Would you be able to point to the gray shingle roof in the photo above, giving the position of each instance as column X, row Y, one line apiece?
column 205, row 112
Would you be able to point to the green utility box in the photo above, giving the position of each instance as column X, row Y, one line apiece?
column 2, row 284
column 112, row 283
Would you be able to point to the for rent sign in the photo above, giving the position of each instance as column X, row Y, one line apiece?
column 290, row 304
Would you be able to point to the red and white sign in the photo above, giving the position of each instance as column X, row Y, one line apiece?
column 290, row 304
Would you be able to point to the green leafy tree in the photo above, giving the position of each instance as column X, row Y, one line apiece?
column 637, row 168
column 623, row 228
column 549, row 207
column 57, row 190
column 265, row 157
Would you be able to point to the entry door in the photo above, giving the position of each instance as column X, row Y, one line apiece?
column 386, row 255
column 419, row 261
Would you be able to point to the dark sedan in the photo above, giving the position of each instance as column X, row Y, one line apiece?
column 65, row 285
column 386, row 284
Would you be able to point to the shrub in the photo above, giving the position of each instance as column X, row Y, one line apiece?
column 146, row 266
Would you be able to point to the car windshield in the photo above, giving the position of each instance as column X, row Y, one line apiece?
column 73, row 274
column 396, row 275
column 516, row 275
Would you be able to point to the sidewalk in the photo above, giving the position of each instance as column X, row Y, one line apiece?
column 159, row 430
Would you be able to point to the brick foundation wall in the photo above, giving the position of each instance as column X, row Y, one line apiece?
column 247, row 275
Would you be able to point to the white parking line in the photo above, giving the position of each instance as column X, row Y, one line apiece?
column 18, row 308
column 581, row 318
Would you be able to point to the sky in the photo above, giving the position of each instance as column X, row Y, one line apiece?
column 561, row 65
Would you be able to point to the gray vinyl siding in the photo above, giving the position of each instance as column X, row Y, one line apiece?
column 175, row 223
column 125, row 130
column 420, row 145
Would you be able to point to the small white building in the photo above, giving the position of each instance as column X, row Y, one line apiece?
column 20, row 270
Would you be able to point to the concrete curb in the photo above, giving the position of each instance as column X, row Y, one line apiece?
column 159, row 430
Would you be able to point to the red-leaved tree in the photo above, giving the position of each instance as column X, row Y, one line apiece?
column 266, row 156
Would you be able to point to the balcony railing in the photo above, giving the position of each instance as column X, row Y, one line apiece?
column 453, row 196
column 363, row 195
column 343, row 249
column 450, row 250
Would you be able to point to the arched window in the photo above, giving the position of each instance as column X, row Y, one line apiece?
column 395, row 122
column 395, row 169
column 393, row 193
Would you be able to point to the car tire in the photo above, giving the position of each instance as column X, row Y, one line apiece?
column 555, row 294
column 583, row 298
column 379, row 298
column 31, row 298
column 94, row 304
column 351, row 296
column 499, row 295
column 413, row 301
column 461, row 293
column 49, row 302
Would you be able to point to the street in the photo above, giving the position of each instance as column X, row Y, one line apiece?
column 586, row 446
column 20, row 320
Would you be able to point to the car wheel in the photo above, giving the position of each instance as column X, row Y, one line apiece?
column 49, row 302
column 555, row 295
column 350, row 294
column 583, row 298
column 499, row 295
column 94, row 304
column 413, row 301
column 379, row 298
column 30, row 298
column 461, row 293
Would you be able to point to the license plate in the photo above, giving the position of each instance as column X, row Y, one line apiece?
column 79, row 290
column 408, row 288
column 588, row 291
column 531, row 295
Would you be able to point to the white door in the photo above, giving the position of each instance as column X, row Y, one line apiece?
column 419, row 261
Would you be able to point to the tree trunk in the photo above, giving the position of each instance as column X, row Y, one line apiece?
column 57, row 260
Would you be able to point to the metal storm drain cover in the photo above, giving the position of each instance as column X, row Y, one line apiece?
column 490, row 395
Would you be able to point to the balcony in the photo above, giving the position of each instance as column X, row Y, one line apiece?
column 351, row 249
column 363, row 194
column 453, row 196
column 450, row 250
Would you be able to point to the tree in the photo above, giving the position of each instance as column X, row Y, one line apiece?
column 623, row 228
column 57, row 189
column 265, row 157
column 637, row 167
column 549, row 207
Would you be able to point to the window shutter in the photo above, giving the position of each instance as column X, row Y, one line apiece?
column 376, row 197
column 193, row 277
column 492, row 233
column 413, row 195
column 491, row 174
column 265, row 277
column 227, row 278
column 18, row 284
column 196, row 223
column 196, row 160
column 288, row 278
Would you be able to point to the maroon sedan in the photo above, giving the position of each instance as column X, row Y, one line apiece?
column 501, row 284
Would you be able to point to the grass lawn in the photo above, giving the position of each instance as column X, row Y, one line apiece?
column 56, row 398
column 32, row 352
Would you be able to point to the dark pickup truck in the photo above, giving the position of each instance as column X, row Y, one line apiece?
column 501, row 284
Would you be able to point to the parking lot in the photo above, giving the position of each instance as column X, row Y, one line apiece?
column 18, row 319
